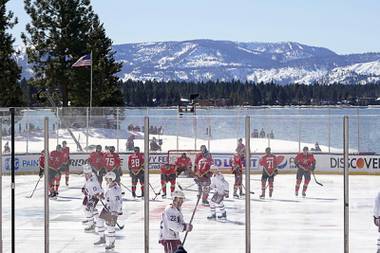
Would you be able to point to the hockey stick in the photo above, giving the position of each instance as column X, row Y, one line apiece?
column 35, row 187
column 192, row 217
column 251, row 192
column 315, row 179
column 126, row 187
column 105, row 207
column 155, row 191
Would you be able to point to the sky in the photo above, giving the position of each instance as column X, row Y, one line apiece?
column 344, row 26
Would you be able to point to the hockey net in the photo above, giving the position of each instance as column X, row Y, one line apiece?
column 174, row 154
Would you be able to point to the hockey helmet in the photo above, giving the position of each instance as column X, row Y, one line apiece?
column 87, row 169
column 110, row 175
column 111, row 149
column 59, row 147
column 203, row 149
column 267, row 150
column 136, row 149
column 98, row 148
column 305, row 149
column 214, row 168
column 64, row 143
column 178, row 194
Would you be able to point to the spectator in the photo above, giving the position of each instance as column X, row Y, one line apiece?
column 316, row 147
column 130, row 145
column 6, row 148
column 262, row 133
column 271, row 135
column 154, row 145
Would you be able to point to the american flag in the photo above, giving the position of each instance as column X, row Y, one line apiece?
column 85, row 60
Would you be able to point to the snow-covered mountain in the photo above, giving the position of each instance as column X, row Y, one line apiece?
column 283, row 63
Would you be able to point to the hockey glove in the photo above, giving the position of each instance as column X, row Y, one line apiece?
column 41, row 173
column 188, row 227
column 226, row 194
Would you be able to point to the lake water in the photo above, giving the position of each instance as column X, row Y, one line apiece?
column 306, row 124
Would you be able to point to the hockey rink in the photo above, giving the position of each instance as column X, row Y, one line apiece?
column 281, row 224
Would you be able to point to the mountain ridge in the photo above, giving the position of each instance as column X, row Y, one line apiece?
column 224, row 60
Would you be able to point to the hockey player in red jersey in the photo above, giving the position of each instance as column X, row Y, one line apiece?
column 66, row 161
column 136, row 170
column 305, row 162
column 55, row 164
column 97, row 163
column 168, row 174
column 41, row 163
column 113, row 163
column 237, row 170
column 183, row 164
column 202, row 173
column 269, row 164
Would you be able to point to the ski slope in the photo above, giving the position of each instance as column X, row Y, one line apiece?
column 282, row 224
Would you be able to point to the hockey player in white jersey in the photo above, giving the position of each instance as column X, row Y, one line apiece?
column 111, row 210
column 376, row 218
column 92, row 193
column 172, row 223
column 221, row 188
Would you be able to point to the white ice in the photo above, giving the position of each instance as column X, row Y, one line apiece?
column 282, row 224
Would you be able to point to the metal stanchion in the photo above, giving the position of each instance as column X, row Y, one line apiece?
column 13, row 224
column 1, row 186
column 117, row 129
column 146, row 178
column 46, row 175
column 346, row 183
column 247, row 184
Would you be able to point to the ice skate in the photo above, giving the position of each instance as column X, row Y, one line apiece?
column 101, row 240
column 205, row 202
column 211, row 217
column 163, row 196
column 270, row 194
column 223, row 216
column 134, row 194
column 262, row 196
column 67, row 181
column 304, row 194
column 241, row 192
column 111, row 246
column 296, row 193
column 90, row 229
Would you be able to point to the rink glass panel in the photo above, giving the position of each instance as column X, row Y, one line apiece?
column 219, row 133
column 363, row 190
column 296, row 223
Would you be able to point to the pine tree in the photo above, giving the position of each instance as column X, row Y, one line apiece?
column 10, row 71
column 61, row 31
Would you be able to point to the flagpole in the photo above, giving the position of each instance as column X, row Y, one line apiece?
column 89, row 113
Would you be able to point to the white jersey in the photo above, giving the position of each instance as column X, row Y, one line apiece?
column 171, row 223
column 376, row 210
column 114, row 200
column 219, row 183
column 92, row 186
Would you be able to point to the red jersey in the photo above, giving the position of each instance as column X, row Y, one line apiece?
column 203, row 163
column 168, row 170
column 96, row 160
column 305, row 162
column 111, row 161
column 200, row 156
column 135, row 162
column 41, row 160
column 55, row 159
column 183, row 162
column 269, row 163
column 66, row 154
column 236, row 164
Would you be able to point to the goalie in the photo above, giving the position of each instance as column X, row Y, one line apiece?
column 183, row 164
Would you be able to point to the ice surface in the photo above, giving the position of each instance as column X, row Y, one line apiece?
column 283, row 224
